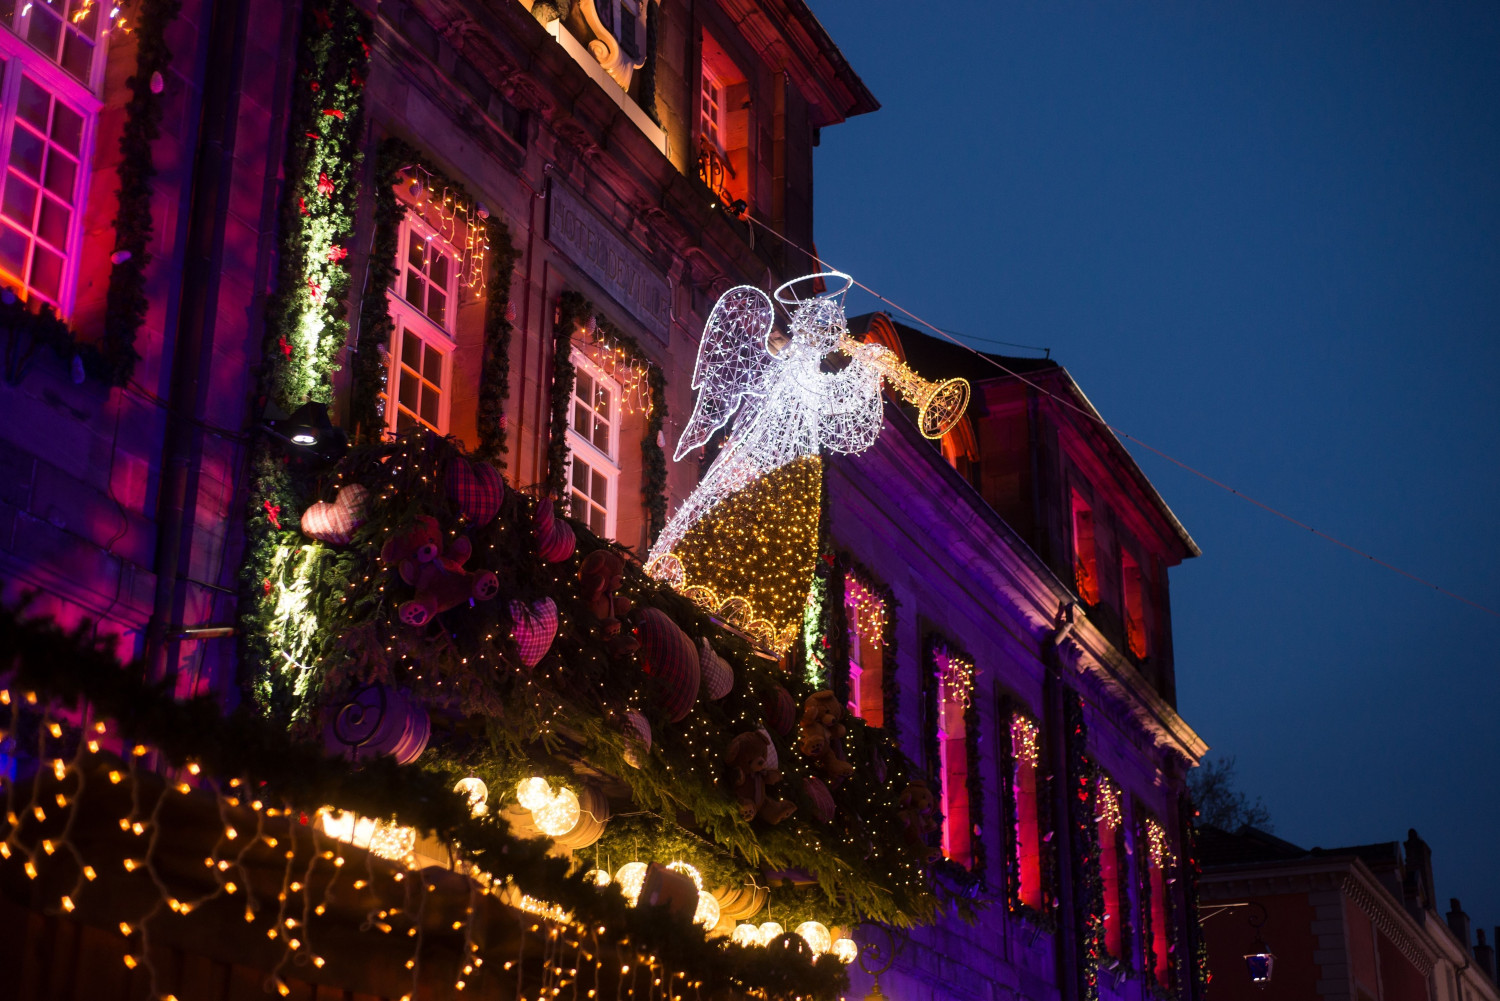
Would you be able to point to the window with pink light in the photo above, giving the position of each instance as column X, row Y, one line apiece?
column 865, row 612
column 51, row 60
column 1025, row 749
column 1159, row 859
column 955, row 697
column 1112, row 865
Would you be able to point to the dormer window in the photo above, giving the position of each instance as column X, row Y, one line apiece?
column 724, row 162
column 1085, row 559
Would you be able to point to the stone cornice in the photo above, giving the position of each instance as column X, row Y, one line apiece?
column 1388, row 915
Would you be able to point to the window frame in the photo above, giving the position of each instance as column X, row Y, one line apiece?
column 606, row 464
column 1133, row 572
column 407, row 319
column 720, row 119
column 866, row 680
column 21, row 58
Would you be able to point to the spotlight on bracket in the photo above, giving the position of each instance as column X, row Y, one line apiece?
column 309, row 429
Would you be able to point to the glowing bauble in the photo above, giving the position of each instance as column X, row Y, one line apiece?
column 707, row 913
column 846, row 950
column 691, row 872
column 533, row 793
column 745, row 934
column 598, row 877
column 560, row 814
column 816, row 935
column 630, row 877
column 476, row 792
column 769, row 932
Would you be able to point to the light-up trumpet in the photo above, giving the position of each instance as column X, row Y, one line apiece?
column 939, row 404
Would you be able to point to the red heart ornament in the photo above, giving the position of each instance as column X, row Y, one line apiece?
column 477, row 487
column 534, row 628
column 558, row 544
column 335, row 523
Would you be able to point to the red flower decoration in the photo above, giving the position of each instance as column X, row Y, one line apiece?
column 312, row 135
column 302, row 205
column 265, row 585
column 315, row 87
column 315, row 290
column 356, row 80
column 334, row 112
column 324, row 21
column 286, row 348
column 273, row 512
column 337, row 253
column 325, row 186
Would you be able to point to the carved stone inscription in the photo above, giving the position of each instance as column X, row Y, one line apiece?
column 620, row 269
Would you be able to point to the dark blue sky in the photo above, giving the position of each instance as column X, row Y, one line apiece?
column 1265, row 237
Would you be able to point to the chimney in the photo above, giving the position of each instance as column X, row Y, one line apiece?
column 1458, row 924
column 1484, row 956
column 1419, row 889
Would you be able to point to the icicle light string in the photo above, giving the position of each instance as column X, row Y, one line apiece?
column 1097, row 419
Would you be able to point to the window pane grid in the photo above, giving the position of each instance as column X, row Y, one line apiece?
column 37, row 205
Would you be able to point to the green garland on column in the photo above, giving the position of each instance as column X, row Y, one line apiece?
column 125, row 302
column 1192, row 872
column 494, row 379
column 573, row 310
column 307, row 324
column 1046, row 917
column 1088, row 885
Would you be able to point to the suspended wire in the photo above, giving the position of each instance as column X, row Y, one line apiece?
column 1091, row 415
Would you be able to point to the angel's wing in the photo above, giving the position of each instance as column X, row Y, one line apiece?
column 733, row 362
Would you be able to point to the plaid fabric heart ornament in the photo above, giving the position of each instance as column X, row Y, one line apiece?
column 534, row 627
column 335, row 523
column 668, row 656
column 477, row 487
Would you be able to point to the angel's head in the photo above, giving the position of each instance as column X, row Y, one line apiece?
column 817, row 320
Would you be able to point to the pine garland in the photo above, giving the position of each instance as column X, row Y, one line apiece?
column 573, row 310
column 125, row 303
column 1088, row 886
column 494, row 380
column 1192, row 871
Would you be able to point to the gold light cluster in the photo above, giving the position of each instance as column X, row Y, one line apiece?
column 1110, row 812
column 751, row 559
column 956, row 675
column 457, row 218
column 1157, row 845
column 865, row 611
column 626, row 367
column 1025, row 739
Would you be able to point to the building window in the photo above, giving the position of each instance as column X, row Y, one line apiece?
column 1085, row 562
column 1112, row 869
column 48, row 60
column 593, row 448
column 724, row 160
column 1025, row 749
column 422, row 304
column 622, row 18
column 1134, row 587
column 865, row 612
column 955, row 696
column 711, row 109
column 1159, row 858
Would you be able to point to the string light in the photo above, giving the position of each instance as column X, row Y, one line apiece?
column 1158, row 847
column 1111, row 814
column 1024, row 740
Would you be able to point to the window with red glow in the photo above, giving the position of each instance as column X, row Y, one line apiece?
column 865, row 613
column 1111, row 864
column 50, row 61
column 724, row 162
column 1085, row 564
column 1159, row 859
column 955, row 695
column 423, row 304
column 1134, row 588
column 1025, row 746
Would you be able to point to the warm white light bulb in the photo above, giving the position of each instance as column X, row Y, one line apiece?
column 816, row 935
column 769, row 932
column 691, row 872
column 630, row 878
column 533, row 793
column 745, row 934
column 707, row 913
column 598, row 877
column 846, row 950
column 560, row 814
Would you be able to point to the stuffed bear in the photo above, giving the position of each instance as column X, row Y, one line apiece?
column 824, row 707
column 916, row 816
column 750, row 776
column 439, row 577
column 601, row 573
column 817, row 745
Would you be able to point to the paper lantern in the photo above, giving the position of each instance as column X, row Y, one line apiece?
column 534, row 627
column 533, row 793
column 630, row 878
column 336, row 522
column 638, row 738
column 780, row 710
column 845, row 950
column 477, row 487
column 820, row 798
column 668, row 656
column 770, row 932
column 476, row 792
column 717, row 676
column 559, row 815
column 707, row 912
column 746, row 935
column 816, row 935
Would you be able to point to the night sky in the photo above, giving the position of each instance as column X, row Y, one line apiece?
column 1265, row 238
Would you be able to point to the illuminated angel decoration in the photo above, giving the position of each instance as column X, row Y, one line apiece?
column 744, row 542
